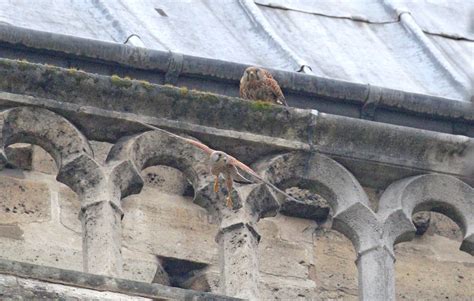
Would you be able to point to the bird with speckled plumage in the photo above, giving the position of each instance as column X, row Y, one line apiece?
column 258, row 84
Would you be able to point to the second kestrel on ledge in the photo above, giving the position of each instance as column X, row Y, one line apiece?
column 258, row 84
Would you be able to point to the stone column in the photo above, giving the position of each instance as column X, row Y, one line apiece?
column 101, row 238
column 238, row 259
column 100, row 190
column 238, row 241
column 376, row 274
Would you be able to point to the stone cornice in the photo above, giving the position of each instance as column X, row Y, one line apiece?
column 333, row 96
column 106, row 108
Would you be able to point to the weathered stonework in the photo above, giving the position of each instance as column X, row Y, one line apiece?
column 141, row 205
column 23, row 201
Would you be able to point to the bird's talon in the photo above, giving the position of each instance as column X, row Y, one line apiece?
column 216, row 185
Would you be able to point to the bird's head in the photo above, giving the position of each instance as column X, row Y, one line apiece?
column 253, row 74
column 219, row 157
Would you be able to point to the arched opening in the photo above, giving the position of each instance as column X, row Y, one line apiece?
column 38, row 214
column 431, row 266
column 167, row 238
column 322, row 259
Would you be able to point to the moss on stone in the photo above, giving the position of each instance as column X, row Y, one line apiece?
column 145, row 84
column 121, row 82
column 72, row 71
column 183, row 91
column 259, row 105
column 209, row 97
column 79, row 75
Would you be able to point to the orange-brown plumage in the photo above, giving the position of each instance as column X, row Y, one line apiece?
column 222, row 163
column 258, row 84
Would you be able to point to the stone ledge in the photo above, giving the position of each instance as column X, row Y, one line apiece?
column 103, row 284
column 337, row 91
column 248, row 130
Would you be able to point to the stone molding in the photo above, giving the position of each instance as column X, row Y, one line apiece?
column 101, row 188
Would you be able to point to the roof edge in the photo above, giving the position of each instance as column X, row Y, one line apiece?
column 155, row 60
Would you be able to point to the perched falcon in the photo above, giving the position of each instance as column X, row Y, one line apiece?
column 222, row 163
column 259, row 84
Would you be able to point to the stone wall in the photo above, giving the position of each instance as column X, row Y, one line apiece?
column 145, row 207
column 162, row 228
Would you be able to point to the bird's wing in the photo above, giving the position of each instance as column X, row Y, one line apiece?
column 276, row 91
column 250, row 171
column 267, row 74
column 243, row 90
column 198, row 144
column 237, row 176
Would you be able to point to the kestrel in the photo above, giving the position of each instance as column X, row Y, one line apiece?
column 222, row 163
column 258, row 84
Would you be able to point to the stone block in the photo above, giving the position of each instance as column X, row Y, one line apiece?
column 286, row 251
column 166, row 179
column 312, row 206
column 294, row 229
column 334, row 270
column 168, row 225
column 23, row 201
column 281, row 288
column 20, row 155
column 69, row 208
column 442, row 225
column 11, row 231
column 432, row 267
column 101, row 150
column 288, row 259
column 141, row 269
column 43, row 162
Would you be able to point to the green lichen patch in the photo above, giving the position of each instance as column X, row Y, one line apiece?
column 260, row 105
column 145, row 84
column 183, row 91
column 120, row 82
column 79, row 75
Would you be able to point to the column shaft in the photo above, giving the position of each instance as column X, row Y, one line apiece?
column 238, row 251
column 376, row 275
column 101, row 239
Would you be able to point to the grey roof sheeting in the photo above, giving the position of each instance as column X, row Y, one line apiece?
column 416, row 46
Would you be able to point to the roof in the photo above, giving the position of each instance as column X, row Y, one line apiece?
column 424, row 47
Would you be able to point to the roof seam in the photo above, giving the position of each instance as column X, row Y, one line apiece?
column 252, row 10
column 451, row 36
column 352, row 17
column 411, row 26
column 363, row 19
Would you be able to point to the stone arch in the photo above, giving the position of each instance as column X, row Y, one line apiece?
column 99, row 197
column 44, row 128
column 157, row 148
column 347, row 199
column 66, row 144
column 430, row 192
